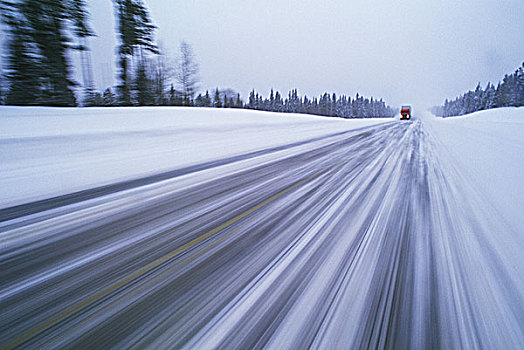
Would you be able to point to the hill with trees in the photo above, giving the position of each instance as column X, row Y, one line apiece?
column 508, row 93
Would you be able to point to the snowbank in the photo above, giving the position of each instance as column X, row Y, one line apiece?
column 488, row 149
column 46, row 152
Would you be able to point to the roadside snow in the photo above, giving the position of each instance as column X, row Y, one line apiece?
column 45, row 152
column 488, row 149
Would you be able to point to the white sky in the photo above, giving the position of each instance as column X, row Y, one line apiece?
column 417, row 52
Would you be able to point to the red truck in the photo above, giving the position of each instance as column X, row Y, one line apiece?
column 405, row 113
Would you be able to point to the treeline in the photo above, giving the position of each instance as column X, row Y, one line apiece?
column 43, row 34
column 326, row 105
column 508, row 93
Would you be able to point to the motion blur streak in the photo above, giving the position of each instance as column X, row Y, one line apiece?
column 371, row 241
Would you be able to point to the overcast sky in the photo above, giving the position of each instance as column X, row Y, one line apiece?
column 415, row 51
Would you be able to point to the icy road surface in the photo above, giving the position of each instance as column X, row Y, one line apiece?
column 368, row 239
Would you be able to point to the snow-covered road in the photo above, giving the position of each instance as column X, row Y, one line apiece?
column 373, row 237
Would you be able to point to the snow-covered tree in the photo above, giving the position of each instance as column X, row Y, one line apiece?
column 217, row 101
column 489, row 96
column 520, row 85
column 509, row 92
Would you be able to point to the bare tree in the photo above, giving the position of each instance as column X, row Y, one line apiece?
column 187, row 72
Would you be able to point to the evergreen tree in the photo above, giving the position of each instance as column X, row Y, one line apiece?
column 108, row 98
column 208, row 99
column 47, row 22
column 251, row 101
column 355, row 105
column 199, row 101
column 143, row 86
column 294, row 101
column 478, row 97
column 96, row 100
column 22, row 62
column 271, row 104
column 279, row 104
column 511, row 90
column 40, row 28
column 2, row 89
column 489, row 97
column 348, row 111
column 135, row 30
column 498, row 100
column 172, row 95
column 333, row 106
column 39, row 43
column 82, row 30
column 217, row 100
column 366, row 108
column 520, row 85
column 238, row 102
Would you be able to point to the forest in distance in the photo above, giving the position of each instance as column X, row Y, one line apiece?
column 508, row 93
column 39, row 72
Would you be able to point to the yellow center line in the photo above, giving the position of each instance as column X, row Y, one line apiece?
column 91, row 299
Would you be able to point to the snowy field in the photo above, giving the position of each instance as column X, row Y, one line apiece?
column 46, row 152
column 361, row 234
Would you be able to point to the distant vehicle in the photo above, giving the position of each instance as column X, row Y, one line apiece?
column 405, row 113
